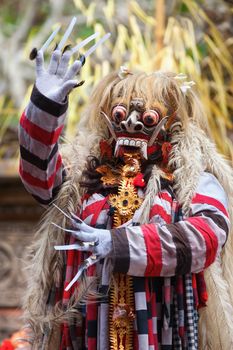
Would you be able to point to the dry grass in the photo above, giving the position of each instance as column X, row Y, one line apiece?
column 133, row 44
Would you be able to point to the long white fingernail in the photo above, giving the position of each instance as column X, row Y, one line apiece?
column 50, row 39
column 94, row 47
column 67, row 33
column 84, row 42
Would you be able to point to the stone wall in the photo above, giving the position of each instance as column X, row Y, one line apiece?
column 19, row 214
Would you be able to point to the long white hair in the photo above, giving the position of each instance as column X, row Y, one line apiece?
column 193, row 152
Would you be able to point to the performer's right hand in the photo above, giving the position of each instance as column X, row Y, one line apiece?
column 57, row 81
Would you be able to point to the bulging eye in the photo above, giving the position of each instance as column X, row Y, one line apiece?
column 150, row 118
column 118, row 114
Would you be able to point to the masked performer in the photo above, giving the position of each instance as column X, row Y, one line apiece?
column 134, row 239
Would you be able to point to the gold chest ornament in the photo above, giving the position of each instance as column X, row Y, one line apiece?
column 125, row 203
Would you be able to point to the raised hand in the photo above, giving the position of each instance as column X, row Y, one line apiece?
column 57, row 81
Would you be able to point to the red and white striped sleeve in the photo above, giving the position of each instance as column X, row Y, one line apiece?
column 41, row 168
column 189, row 245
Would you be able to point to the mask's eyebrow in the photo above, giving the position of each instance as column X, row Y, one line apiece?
column 157, row 106
column 118, row 101
column 119, row 104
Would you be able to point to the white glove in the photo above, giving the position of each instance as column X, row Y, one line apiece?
column 58, row 80
column 97, row 241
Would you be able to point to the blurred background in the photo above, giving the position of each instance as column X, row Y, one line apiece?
column 191, row 37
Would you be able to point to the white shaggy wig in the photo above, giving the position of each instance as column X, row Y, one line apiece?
column 193, row 152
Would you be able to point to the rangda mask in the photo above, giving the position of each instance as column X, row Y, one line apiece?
column 137, row 128
column 140, row 108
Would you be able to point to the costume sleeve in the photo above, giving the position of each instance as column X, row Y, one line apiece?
column 41, row 168
column 189, row 245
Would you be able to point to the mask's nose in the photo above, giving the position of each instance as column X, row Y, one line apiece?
column 132, row 123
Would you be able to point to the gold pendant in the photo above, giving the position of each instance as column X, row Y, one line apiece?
column 126, row 201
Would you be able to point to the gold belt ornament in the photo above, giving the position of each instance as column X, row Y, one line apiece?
column 121, row 314
column 125, row 202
